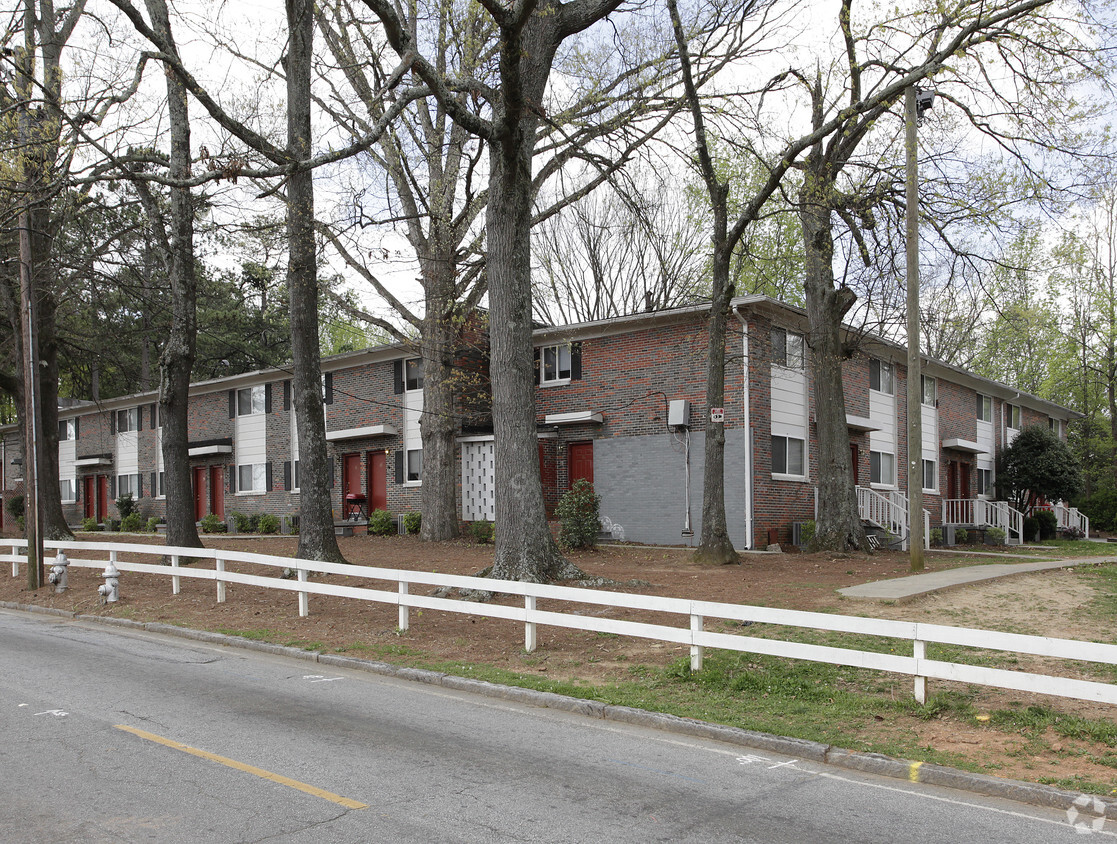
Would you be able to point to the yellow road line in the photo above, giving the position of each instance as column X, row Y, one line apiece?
column 248, row 769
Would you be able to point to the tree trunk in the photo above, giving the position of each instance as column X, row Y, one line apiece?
column 438, row 423
column 177, row 358
column 317, row 540
column 838, row 526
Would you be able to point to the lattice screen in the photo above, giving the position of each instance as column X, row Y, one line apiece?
column 477, row 481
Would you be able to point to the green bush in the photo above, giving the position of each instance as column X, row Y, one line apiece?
column 125, row 505
column 1031, row 528
column 1048, row 523
column 578, row 513
column 211, row 524
column 244, row 523
column 132, row 523
column 380, row 523
column 1100, row 508
column 961, row 536
column 267, row 523
column 481, row 531
column 412, row 522
column 936, row 536
column 152, row 525
column 111, row 523
column 90, row 524
column 806, row 533
column 995, row 536
column 16, row 506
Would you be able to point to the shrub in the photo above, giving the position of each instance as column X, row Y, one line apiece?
column 1048, row 522
column 578, row 513
column 152, row 525
column 16, row 506
column 936, row 536
column 111, row 523
column 1031, row 529
column 243, row 523
column 1099, row 508
column 806, row 533
column 1073, row 533
column 211, row 524
column 380, row 523
column 412, row 522
column 481, row 531
column 125, row 505
column 132, row 523
column 995, row 536
column 267, row 523
column 961, row 536
column 90, row 524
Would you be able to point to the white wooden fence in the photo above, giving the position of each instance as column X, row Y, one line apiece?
column 697, row 613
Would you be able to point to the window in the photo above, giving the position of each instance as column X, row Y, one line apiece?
column 882, row 468
column 413, row 374
column 127, row 420
column 555, row 364
column 252, row 477
column 930, row 476
column 928, row 394
column 295, row 477
column 787, row 349
column 787, row 456
column 1012, row 416
column 162, row 489
column 881, row 377
column 1056, row 427
column 68, row 488
column 250, row 400
column 985, row 482
column 128, row 484
column 984, row 408
column 414, row 464
column 67, row 430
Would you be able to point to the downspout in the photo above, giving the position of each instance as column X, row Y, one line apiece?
column 748, row 432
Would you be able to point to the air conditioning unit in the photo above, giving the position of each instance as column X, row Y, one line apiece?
column 400, row 525
column 797, row 531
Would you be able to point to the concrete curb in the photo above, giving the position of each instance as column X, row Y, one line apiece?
column 870, row 763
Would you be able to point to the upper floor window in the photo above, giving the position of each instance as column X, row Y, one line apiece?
column 67, row 430
column 788, row 349
column 414, row 464
column 928, row 393
column 984, row 408
column 128, row 420
column 1012, row 416
column 250, row 400
column 128, row 485
column 881, row 377
column 930, row 476
column 787, row 456
column 554, row 363
column 882, row 468
column 985, row 482
column 413, row 374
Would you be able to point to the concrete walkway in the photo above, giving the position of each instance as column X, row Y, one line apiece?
column 904, row 588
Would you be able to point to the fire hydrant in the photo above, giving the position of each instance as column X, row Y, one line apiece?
column 57, row 574
column 110, row 590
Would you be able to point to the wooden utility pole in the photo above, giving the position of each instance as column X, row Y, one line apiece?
column 915, row 413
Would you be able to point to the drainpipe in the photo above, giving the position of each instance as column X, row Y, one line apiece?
column 748, row 432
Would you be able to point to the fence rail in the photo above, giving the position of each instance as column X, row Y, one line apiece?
column 696, row 612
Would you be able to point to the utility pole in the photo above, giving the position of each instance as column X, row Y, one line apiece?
column 916, row 101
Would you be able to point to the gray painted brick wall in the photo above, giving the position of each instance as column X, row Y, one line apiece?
column 642, row 484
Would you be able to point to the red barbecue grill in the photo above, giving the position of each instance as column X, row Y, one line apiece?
column 355, row 506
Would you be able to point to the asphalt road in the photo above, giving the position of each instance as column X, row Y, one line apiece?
column 120, row 736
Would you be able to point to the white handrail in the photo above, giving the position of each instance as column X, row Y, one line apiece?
column 692, row 634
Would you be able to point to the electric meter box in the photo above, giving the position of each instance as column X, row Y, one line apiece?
column 678, row 413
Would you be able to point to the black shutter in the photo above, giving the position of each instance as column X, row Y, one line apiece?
column 329, row 396
column 77, row 490
column 287, row 475
column 153, row 410
column 287, row 394
column 397, row 376
column 401, row 456
column 232, row 470
column 112, row 486
column 154, row 485
column 538, row 370
column 267, row 477
column 112, row 423
column 232, row 404
column 575, row 361
column 77, row 427
column 139, row 486
column 267, row 398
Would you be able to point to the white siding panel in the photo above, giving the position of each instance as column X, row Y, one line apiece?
column 127, row 453
column 930, row 416
column 251, row 442
column 985, row 440
column 413, row 412
column 789, row 403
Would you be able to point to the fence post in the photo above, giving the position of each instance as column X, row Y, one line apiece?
column 176, row 581
column 919, row 651
column 15, row 560
column 404, row 610
column 695, row 650
column 529, row 627
column 220, row 582
column 304, row 597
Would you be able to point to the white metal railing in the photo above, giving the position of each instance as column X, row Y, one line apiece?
column 1008, row 519
column 889, row 510
column 981, row 513
column 693, row 634
column 1068, row 518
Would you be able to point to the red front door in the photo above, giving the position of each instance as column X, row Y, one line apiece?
column 963, row 480
column 581, row 462
column 217, row 491
column 350, row 481
column 102, row 496
column 89, row 490
column 199, row 493
column 377, row 469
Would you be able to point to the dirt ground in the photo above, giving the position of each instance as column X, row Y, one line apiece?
column 1053, row 603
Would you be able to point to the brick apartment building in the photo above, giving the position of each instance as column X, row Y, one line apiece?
column 620, row 402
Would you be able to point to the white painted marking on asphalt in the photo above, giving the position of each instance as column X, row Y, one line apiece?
column 790, row 764
column 23, row 705
column 57, row 713
column 320, row 678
